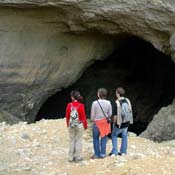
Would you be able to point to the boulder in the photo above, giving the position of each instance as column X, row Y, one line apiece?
column 161, row 128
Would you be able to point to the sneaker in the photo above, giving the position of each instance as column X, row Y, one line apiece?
column 78, row 159
column 102, row 156
column 121, row 154
column 71, row 159
column 112, row 155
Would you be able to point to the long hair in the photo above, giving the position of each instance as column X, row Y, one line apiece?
column 77, row 96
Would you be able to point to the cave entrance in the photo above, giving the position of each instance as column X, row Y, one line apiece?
column 145, row 73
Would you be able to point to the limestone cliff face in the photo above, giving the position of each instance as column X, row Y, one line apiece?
column 37, row 60
column 150, row 20
column 46, row 45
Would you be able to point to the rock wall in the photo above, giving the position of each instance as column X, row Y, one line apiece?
column 150, row 20
column 37, row 60
column 46, row 45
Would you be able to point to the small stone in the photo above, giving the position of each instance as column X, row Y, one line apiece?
column 133, row 146
column 85, row 163
column 36, row 144
column 27, row 169
column 119, row 164
column 22, row 123
column 132, row 134
column 3, row 123
column 43, row 132
column 50, row 163
column 25, row 136
column 43, row 173
column 52, row 173
column 21, row 152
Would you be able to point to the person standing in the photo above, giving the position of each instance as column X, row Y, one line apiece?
column 122, row 118
column 76, row 123
column 101, row 111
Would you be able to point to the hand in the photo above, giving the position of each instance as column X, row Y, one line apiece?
column 109, row 120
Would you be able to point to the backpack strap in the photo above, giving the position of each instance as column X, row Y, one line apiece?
column 119, row 117
column 129, row 103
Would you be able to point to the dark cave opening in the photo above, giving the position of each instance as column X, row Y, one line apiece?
column 145, row 73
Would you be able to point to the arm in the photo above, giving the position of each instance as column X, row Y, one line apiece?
column 110, row 110
column 83, row 116
column 115, row 119
column 118, row 118
column 67, row 114
column 93, row 112
column 114, row 113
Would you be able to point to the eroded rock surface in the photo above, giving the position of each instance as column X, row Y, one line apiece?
column 37, row 60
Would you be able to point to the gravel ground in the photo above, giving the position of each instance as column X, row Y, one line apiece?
column 41, row 149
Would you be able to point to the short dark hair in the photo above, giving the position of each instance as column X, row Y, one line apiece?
column 121, row 91
column 102, row 93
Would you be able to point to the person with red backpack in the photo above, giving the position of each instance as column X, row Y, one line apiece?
column 76, row 123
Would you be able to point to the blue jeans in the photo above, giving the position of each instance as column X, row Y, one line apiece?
column 124, row 142
column 98, row 144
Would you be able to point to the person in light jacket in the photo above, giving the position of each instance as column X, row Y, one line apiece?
column 101, row 110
